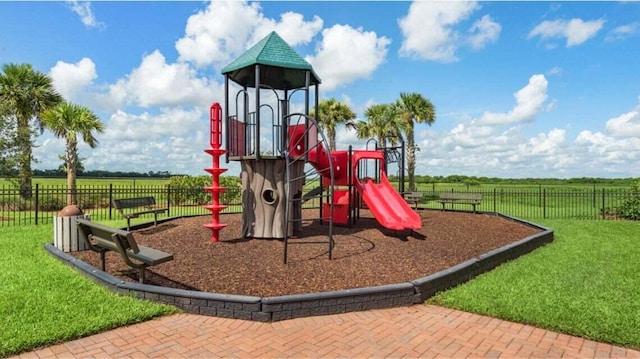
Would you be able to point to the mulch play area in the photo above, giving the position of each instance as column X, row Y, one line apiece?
column 364, row 255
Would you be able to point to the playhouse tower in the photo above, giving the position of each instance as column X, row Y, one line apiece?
column 259, row 87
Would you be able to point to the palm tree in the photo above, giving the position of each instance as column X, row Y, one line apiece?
column 382, row 124
column 24, row 95
column 333, row 113
column 413, row 108
column 72, row 122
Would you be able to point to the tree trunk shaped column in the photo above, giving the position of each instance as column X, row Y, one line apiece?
column 264, row 198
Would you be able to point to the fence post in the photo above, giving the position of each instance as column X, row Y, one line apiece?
column 544, row 203
column 539, row 195
column 604, row 216
column 495, row 197
column 110, row 198
column 37, row 204
column 169, row 200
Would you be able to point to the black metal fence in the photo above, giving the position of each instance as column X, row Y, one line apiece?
column 47, row 201
column 97, row 201
column 603, row 203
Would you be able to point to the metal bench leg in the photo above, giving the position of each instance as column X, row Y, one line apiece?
column 141, row 279
column 102, row 260
column 155, row 219
column 128, row 224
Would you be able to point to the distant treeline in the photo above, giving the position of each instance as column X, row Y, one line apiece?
column 108, row 174
column 473, row 180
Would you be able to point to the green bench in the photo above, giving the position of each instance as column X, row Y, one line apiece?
column 473, row 199
column 123, row 205
column 102, row 239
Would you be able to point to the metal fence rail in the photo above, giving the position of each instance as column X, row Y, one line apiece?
column 543, row 203
column 46, row 201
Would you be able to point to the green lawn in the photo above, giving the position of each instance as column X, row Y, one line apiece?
column 585, row 283
column 42, row 301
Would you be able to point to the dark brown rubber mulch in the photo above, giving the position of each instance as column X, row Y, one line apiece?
column 364, row 255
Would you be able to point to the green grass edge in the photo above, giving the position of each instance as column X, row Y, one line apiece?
column 45, row 302
column 585, row 284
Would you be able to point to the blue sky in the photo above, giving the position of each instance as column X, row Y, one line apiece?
column 521, row 89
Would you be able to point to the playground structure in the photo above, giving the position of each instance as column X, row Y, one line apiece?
column 285, row 158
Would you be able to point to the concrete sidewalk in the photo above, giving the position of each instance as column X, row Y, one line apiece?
column 418, row 331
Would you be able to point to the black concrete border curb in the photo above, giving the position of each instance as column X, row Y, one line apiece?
column 268, row 309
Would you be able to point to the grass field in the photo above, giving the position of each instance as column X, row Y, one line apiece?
column 585, row 283
column 42, row 301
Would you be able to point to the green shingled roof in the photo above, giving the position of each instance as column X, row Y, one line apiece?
column 281, row 67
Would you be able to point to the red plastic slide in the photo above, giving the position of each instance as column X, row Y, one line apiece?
column 386, row 204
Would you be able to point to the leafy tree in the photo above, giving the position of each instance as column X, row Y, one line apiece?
column 382, row 124
column 72, row 123
column 24, row 95
column 333, row 113
column 413, row 108
column 8, row 148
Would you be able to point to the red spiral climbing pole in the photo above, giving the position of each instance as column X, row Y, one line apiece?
column 215, row 151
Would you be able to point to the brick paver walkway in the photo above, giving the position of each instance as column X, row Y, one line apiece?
column 417, row 331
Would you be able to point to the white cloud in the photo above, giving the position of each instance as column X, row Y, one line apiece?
column 624, row 31
column 587, row 137
column 292, row 28
column 606, row 154
column 428, row 29
column 547, row 143
column 625, row 125
column 208, row 40
column 576, row 31
column 469, row 134
column 482, row 32
column 529, row 102
column 473, row 148
column 551, row 105
column 83, row 9
column 554, row 71
column 157, row 83
column 173, row 122
column 346, row 54
column 172, row 140
column 47, row 150
column 71, row 79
